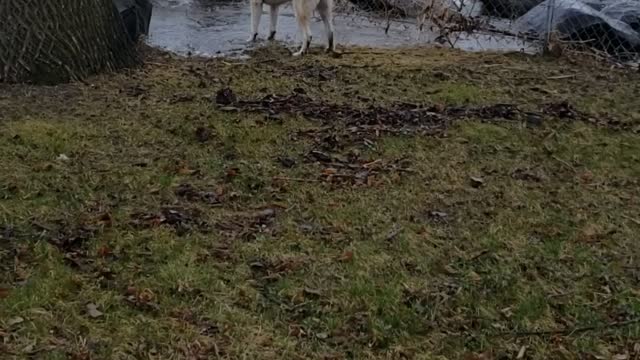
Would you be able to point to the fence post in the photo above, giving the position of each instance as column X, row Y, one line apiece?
column 551, row 8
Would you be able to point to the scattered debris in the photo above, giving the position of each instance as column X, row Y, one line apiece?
column 15, row 320
column 190, row 193
column 143, row 299
column 225, row 97
column 526, row 175
column 269, row 270
column 203, row 134
column 63, row 157
column 181, row 220
column 562, row 110
column 438, row 215
column 92, row 311
column 395, row 231
column 287, row 162
column 476, row 182
column 248, row 225
column 347, row 256
column 181, row 98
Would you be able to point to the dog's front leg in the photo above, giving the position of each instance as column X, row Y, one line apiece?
column 256, row 13
column 303, row 15
column 325, row 8
column 274, row 21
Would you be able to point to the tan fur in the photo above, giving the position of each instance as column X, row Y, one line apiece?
column 303, row 10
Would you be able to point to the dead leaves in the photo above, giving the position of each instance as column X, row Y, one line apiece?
column 189, row 192
column 225, row 97
column 346, row 256
column 144, row 299
column 186, row 170
column 182, row 220
column 358, row 172
column 272, row 269
column 248, row 225
column 4, row 292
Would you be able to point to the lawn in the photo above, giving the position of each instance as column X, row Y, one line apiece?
column 406, row 204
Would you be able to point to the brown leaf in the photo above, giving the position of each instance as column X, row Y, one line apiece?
column 232, row 172
column 185, row 170
column 4, row 293
column 146, row 296
column 590, row 233
column 93, row 312
column 586, row 177
column 347, row 256
column 296, row 330
column 104, row 251
column 473, row 276
column 329, row 171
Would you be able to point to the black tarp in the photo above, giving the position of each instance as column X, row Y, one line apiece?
column 136, row 15
column 610, row 25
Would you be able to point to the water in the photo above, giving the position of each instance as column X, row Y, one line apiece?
column 215, row 28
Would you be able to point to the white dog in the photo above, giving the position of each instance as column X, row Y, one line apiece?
column 304, row 12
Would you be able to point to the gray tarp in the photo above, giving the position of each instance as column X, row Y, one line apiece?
column 609, row 25
column 136, row 15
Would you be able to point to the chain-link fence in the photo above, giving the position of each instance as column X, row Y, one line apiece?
column 604, row 28
column 607, row 28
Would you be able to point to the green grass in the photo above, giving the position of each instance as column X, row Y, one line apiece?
column 417, row 264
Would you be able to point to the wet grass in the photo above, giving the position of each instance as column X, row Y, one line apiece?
column 139, row 218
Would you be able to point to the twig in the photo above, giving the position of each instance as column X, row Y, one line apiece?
column 563, row 162
column 560, row 77
column 633, row 220
column 284, row 178
column 361, row 66
column 395, row 231
column 614, row 324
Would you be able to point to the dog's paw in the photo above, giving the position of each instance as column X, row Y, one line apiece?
column 252, row 38
column 272, row 36
column 298, row 53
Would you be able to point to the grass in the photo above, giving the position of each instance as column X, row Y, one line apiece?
column 182, row 225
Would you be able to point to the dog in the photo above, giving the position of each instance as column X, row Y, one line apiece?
column 303, row 10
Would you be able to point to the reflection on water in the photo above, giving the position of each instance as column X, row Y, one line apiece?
column 212, row 28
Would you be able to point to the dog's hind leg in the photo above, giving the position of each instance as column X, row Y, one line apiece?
column 325, row 9
column 303, row 14
column 274, row 21
column 256, row 13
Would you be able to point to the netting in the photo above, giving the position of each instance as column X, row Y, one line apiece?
column 607, row 27
column 51, row 41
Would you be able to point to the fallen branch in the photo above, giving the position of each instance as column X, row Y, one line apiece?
column 633, row 220
column 284, row 178
column 567, row 332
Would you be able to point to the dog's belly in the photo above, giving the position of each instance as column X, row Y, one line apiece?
column 276, row 2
